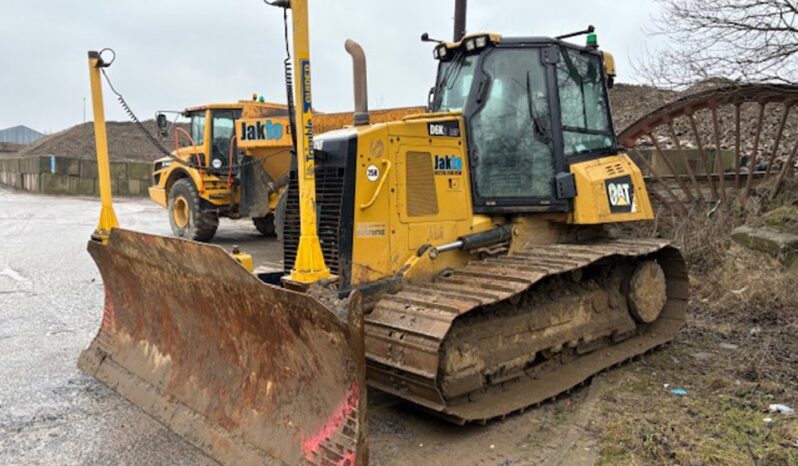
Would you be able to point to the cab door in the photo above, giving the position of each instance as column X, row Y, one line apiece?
column 223, row 150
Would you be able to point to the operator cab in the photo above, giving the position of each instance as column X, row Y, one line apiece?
column 532, row 106
column 215, row 155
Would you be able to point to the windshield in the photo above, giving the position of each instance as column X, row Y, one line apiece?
column 454, row 83
column 585, row 110
column 512, row 146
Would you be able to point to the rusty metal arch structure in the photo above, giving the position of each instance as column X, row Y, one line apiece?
column 726, row 162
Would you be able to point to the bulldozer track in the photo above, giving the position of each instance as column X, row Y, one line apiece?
column 405, row 333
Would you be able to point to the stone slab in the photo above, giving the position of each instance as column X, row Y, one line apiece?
column 54, row 183
column 118, row 170
column 67, row 166
column 782, row 246
column 139, row 171
column 88, row 169
column 81, row 186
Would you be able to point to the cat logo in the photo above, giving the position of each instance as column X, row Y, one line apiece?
column 621, row 196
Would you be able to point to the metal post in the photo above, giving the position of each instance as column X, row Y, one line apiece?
column 107, row 215
column 309, row 266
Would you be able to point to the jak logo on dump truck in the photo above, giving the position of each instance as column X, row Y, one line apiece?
column 260, row 130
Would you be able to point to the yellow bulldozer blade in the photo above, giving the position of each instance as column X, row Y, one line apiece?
column 248, row 372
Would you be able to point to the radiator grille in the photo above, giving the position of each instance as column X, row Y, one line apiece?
column 422, row 198
column 329, row 199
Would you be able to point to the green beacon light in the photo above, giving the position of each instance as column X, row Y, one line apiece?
column 261, row 99
column 592, row 40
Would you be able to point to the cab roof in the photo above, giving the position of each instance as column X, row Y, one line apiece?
column 237, row 106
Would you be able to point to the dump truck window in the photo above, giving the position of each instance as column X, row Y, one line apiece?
column 512, row 148
column 583, row 100
column 223, row 131
column 198, row 128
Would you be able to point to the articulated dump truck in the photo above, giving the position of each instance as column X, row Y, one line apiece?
column 455, row 258
column 233, row 162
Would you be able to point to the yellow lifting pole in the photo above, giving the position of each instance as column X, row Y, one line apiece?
column 309, row 266
column 107, row 215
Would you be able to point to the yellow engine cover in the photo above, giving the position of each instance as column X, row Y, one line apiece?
column 609, row 190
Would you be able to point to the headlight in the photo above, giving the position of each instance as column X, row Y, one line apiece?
column 216, row 163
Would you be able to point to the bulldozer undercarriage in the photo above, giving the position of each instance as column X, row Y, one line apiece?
column 505, row 333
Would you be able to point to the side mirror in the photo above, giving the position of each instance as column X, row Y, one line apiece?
column 163, row 124
column 430, row 99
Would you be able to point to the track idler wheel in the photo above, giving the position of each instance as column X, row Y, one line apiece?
column 647, row 292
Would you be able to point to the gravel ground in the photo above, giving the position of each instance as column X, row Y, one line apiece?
column 50, row 413
column 50, row 308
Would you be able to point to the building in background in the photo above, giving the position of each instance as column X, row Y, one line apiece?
column 20, row 135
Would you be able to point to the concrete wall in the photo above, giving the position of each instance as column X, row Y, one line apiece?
column 63, row 175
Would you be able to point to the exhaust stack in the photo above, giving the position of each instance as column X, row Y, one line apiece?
column 361, row 82
column 460, row 19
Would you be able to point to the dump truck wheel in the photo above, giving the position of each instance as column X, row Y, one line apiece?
column 265, row 225
column 186, row 216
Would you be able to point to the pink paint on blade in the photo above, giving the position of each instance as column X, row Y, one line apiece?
column 109, row 315
column 345, row 408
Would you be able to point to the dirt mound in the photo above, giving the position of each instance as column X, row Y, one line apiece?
column 631, row 102
column 125, row 142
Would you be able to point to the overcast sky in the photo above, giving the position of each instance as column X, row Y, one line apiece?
column 177, row 53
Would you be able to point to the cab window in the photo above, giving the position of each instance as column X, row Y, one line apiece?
column 512, row 152
column 454, row 83
column 198, row 128
column 583, row 100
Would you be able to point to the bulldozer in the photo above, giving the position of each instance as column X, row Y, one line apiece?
column 226, row 164
column 457, row 259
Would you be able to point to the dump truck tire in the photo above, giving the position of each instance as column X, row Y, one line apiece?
column 186, row 216
column 266, row 225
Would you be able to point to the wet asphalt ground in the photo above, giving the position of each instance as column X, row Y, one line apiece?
column 51, row 299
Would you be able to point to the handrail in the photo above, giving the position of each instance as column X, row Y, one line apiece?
column 386, row 171
column 177, row 132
